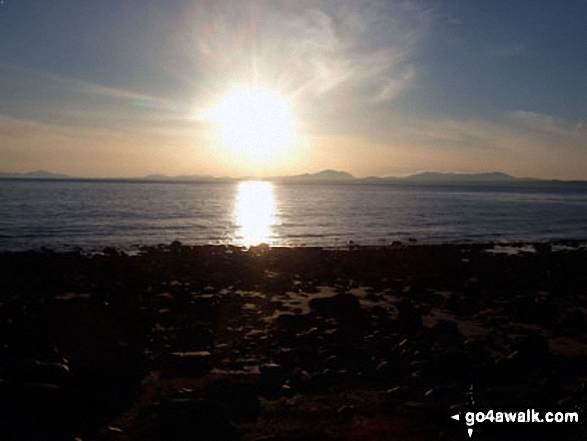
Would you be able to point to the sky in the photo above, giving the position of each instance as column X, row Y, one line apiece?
column 374, row 88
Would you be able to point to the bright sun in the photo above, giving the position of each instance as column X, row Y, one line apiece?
column 255, row 122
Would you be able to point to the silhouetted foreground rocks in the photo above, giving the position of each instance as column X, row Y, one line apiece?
column 222, row 343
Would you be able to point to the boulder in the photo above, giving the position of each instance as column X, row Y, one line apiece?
column 185, row 364
column 238, row 398
column 408, row 318
column 189, row 420
column 343, row 307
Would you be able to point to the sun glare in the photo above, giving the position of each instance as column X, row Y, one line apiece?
column 255, row 122
column 255, row 213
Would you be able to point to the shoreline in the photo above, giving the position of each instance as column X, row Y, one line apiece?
column 560, row 244
column 264, row 343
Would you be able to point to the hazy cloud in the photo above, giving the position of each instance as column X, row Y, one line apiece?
column 88, row 151
column 32, row 78
column 547, row 124
column 518, row 127
column 312, row 48
column 44, row 96
column 512, row 50
column 522, row 143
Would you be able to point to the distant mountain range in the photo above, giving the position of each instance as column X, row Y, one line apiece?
column 325, row 176
column 322, row 176
column 43, row 174
column 179, row 178
column 39, row 174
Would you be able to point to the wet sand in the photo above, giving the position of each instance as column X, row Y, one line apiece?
column 223, row 343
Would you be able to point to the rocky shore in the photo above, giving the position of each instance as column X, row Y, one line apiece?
column 224, row 343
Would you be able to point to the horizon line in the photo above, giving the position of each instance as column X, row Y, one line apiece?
column 336, row 175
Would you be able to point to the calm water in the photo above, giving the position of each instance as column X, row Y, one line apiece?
column 63, row 214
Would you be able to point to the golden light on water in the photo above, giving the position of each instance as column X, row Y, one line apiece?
column 255, row 123
column 255, row 213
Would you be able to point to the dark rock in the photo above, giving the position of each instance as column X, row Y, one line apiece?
column 271, row 380
column 408, row 318
column 453, row 363
column 392, row 367
column 478, row 349
column 446, row 332
column 324, row 381
column 443, row 392
column 175, row 246
column 353, row 358
column 34, row 372
column 304, row 358
column 346, row 412
column 239, row 399
column 349, row 316
column 109, row 251
column 189, row 420
column 543, row 248
column 350, row 333
column 343, row 307
column 114, row 430
column 518, row 369
column 372, row 297
column 193, row 338
column 293, row 323
column 100, row 334
column 535, row 310
column 299, row 377
column 572, row 325
column 185, row 364
column 532, row 346
column 398, row 392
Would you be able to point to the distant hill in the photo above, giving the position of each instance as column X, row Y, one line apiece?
column 461, row 177
column 330, row 176
column 322, row 176
column 437, row 178
column 195, row 178
column 43, row 174
column 38, row 174
column 425, row 178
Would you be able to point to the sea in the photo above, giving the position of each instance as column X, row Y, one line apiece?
column 92, row 215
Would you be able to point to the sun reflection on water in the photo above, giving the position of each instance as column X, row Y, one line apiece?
column 255, row 213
